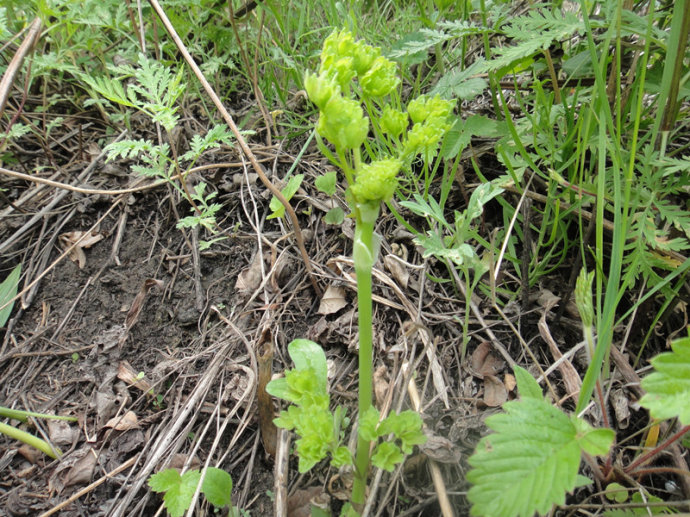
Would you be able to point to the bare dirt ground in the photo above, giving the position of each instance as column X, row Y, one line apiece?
column 156, row 347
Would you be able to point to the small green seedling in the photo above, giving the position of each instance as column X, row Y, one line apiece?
column 320, row 430
column 179, row 488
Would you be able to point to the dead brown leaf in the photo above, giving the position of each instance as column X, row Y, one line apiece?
column 621, row 408
column 300, row 502
column 31, row 454
column 137, row 305
column 74, row 469
column 77, row 254
column 61, row 433
column 440, row 449
column 123, row 423
column 380, row 386
column 249, row 278
column 126, row 374
column 332, row 300
column 397, row 270
column 509, row 381
column 139, row 299
column 484, row 362
column 179, row 460
column 571, row 379
column 495, row 392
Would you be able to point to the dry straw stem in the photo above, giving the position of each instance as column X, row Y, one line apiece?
column 14, row 66
column 240, row 140
column 436, row 476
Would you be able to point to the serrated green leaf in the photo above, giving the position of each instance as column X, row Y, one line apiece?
column 596, row 442
column 293, row 184
column 178, row 489
column 8, row 290
column 386, row 456
column 335, row 216
column 179, row 497
column 528, row 464
column 407, row 428
column 668, row 388
column 309, row 355
column 326, row 182
column 368, row 423
column 528, row 387
column 341, row 457
column 164, row 480
column 616, row 492
column 217, row 487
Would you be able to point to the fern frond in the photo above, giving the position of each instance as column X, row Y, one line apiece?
column 128, row 149
column 111, row 89
column 534, row 32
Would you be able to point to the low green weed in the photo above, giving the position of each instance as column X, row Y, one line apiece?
column 179, row 489
column 156, row 92
column 526, row 466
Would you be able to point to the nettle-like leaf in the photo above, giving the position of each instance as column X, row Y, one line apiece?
column 532, row 459
column 179, row 489
column 386, row 456
column 217, row 487
column 407, row 428
column 668, row 388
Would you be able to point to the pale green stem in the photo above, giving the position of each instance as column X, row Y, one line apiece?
column 28, row 439
column 364, row 242
column 22, row 416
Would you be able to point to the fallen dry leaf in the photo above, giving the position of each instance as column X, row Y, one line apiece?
column 179, row 460
column 300, row 502
column 61, row 433
column 440, row 449
column 484, row 362
column 74, row 469
column 250, row 277
column 380, row 386
column 123, row 423
column 332, row 300
column 31, row 454
column 509, row 381
column 397, row 270
column 495, row 392
column 137, row 305
column 126, row 374
column 621, row 408
column 76, row 254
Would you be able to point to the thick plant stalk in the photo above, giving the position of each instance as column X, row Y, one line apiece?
column 364, row 254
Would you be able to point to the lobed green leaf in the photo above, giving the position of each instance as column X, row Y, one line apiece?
column 668, row 387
